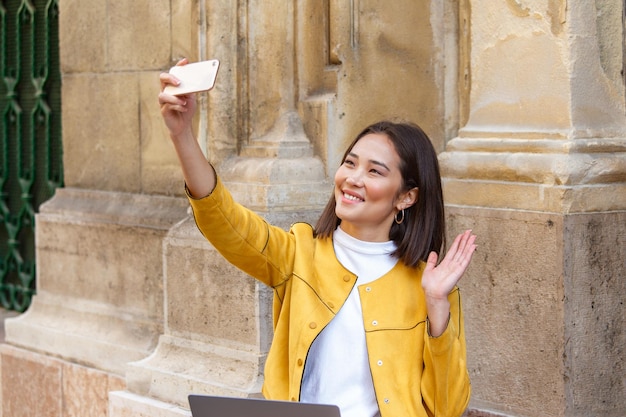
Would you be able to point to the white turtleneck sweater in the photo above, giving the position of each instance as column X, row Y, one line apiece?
column 337, row 368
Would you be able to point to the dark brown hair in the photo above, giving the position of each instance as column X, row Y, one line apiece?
column 423, row 228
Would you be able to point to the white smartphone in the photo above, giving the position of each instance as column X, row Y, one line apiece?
column 194, row 77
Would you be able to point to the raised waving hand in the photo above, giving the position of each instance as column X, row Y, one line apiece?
column 438, row 280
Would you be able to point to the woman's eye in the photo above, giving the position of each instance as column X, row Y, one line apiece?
column 348, row 162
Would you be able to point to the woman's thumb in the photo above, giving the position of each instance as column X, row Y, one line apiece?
column 431, row 262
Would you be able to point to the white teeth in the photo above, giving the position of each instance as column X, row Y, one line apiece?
column 351, row 197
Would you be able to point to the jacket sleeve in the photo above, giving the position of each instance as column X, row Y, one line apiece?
column 445, row 382
column 243, row 237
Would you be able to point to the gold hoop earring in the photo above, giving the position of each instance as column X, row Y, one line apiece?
column 401, row 219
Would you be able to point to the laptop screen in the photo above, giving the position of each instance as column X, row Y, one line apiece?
column 212, row 406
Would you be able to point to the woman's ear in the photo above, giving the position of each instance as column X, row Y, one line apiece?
column 408, row 198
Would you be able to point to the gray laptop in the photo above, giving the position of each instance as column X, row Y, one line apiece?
column 210, row 406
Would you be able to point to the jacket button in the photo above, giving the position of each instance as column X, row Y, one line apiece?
column 299, row 362
column 375, row 323
column 331, row 305
column 386, row 400
column 312, row 325
column 379, row 363
column 368, row 289
column 346, row 278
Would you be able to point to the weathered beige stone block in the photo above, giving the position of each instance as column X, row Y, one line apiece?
column 83, row 36
column 108, row 244
column 136, row 31
column 540, row 98
column 207, row 296
column 31, row 384
column 594, row 269
column 535, row 196
column 101, row 131
column 185, row 23
column 543, row 314
column 86, row 391
column 36, row 384
column 545, row 69
column 513, row 312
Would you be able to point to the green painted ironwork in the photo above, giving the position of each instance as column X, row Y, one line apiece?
column 30, row 137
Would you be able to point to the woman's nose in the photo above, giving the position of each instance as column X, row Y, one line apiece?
column 354, row 179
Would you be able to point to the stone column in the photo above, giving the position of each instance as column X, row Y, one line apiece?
column 276, row 172
column 218, row 320
column 538, row 171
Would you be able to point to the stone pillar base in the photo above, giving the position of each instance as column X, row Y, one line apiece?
column 126, row 404
column 99, row 295
column 217, row 328
column 82, row 331
column 180, row 367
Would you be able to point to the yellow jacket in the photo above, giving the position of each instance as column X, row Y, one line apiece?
column 413, row 373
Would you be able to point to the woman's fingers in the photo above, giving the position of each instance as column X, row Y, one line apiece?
column 431, row 262
column 438, row 280
column 182, row 61
column 172, row 104
column 457, row 246
column 165, row 98
column 465, row 247
column 168, row 79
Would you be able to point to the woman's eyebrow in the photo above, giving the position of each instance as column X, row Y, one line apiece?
column 371, row 161
column 382, row 164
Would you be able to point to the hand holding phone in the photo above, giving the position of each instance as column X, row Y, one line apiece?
column 194, row 77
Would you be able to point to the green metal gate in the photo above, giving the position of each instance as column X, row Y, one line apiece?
column 30, row 137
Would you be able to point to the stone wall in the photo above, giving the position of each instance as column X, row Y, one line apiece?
column 134, row 309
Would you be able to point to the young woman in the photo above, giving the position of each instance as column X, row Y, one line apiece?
column 365, row 317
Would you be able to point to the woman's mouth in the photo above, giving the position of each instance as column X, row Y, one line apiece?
column 351, row 197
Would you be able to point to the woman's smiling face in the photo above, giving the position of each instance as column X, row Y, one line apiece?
column 367, row 186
